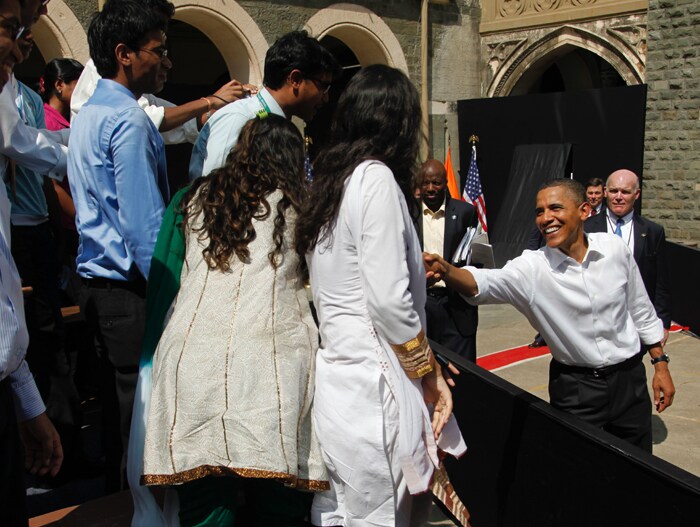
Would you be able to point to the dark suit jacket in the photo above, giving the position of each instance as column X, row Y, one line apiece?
column 458, row 217
column 650, row 255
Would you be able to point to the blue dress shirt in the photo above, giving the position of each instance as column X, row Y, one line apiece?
column 116, row 159
column 220, row 133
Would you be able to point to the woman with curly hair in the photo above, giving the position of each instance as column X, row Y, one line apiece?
column 381, row 406
column 233, row 371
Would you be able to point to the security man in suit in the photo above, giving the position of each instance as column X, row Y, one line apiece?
column 646, row 239
column 441, row 226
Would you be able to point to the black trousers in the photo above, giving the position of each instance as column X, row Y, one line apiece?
column 34, row 251
column 443, row 330
column 618, row 402
column 13, row 508
column 116, row 314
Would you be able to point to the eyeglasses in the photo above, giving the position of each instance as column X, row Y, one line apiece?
column 13, row 27
column 323, row 86
column 161, row 53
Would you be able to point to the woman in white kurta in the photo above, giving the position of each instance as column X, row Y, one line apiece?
column 233, row 372
column 374, row 369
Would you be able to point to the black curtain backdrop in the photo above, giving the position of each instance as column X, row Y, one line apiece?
column 605, row 128
column 532, row 165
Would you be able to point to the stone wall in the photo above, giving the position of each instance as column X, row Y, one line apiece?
column 671, row 188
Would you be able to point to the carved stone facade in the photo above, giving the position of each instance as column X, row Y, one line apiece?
column 620, row 41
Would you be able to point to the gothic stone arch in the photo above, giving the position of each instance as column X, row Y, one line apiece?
column 622, row 45
column 364, row 32
column 235, row 34
column 60, row 34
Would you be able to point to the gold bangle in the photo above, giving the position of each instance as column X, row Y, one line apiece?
column 415, row 356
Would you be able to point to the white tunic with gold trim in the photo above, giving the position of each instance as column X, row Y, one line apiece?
column 369, row 292
column 233, row 373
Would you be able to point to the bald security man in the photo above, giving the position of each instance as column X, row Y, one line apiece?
column 646, row 239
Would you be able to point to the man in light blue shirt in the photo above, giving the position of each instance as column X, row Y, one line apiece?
column 119, row 184
column 298, row 74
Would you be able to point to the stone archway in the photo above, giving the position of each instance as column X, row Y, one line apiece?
column 627, row 59
column 365, row 33
column 235, row 34
column 60, row 34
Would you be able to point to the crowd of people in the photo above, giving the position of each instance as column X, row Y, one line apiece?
column 217, row 382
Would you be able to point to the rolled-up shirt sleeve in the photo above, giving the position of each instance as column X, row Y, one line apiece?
column 511, row 285
column 41, row 151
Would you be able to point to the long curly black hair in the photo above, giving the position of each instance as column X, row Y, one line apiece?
column 269, row 155
column 378, row 117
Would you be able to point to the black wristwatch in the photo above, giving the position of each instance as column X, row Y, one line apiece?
column 661, row 358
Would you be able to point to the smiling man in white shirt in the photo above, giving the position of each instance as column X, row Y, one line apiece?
column 586, row 297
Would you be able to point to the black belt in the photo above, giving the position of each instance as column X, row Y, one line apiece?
column 604, row 371
column 137, row 286
column 437, row 292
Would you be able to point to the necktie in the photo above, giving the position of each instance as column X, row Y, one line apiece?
column 593, row 212
column 618, row 229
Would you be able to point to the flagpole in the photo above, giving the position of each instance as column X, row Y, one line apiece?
column 425, row 146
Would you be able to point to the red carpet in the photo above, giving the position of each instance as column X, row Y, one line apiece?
column 504, row 358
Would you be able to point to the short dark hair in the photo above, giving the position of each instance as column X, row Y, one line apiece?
column 66, row 70
column 575, row 189
column 297, row 51
column 595, row 182
column 120, row 22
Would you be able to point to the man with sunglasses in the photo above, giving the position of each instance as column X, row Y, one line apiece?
column 584, row 294
column 19, row 397
column 119, row 186
column 298, row 76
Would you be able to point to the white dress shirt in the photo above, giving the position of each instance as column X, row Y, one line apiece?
column 591, row 314
column 434, row 232
column 627, row 227
column 41, row 151
column 152, row 105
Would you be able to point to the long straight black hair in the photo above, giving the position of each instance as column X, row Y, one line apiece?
column 378, row 117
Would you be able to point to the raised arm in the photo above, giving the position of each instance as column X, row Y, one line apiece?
column 461, row 280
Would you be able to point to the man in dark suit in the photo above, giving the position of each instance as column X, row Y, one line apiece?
column 442, row 224
column 646, row 239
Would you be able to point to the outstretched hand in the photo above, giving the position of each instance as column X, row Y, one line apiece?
column 435, row 268
column 229, row 92
column 43, row 453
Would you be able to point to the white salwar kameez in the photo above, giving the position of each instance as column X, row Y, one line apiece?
column 368, row 283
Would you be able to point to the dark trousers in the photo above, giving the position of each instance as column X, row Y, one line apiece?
column 443, row 330
column 116, row 313
column 617, row 402
column 13, row 509
column 34, row 251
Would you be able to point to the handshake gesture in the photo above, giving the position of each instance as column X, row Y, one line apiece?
column 436, row 268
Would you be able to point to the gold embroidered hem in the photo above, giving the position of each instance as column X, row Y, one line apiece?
column 443, row 490
column 415, row 356
column 186, row 476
